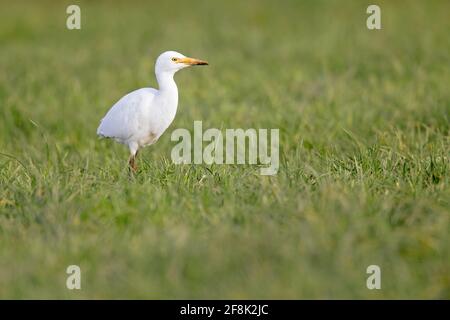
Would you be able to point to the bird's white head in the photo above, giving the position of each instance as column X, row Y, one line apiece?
column 172, row 61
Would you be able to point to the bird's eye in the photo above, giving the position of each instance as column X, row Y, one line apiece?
column 174, row 59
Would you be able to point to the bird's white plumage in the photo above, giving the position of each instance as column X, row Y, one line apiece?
column 139, row 118
column 128, row 117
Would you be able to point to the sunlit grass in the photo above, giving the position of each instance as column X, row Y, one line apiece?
column 363, row 118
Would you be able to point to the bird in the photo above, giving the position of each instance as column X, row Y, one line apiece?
column 140, row 117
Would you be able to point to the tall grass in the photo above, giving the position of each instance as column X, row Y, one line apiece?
column 364, row 175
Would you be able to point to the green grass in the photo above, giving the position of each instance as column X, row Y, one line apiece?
column 364, row 159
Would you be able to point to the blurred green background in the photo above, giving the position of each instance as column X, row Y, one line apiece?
column 364, row 123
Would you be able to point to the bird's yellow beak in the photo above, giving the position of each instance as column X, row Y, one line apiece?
column 192, row 61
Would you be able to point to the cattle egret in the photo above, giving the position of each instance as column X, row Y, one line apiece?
column 139, row 118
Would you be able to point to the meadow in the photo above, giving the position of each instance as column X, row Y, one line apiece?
column 364, row 151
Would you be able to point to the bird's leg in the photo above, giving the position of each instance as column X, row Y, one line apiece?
column 132, row 162
column 133, row 154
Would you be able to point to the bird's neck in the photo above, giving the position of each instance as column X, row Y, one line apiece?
column 167, row 85
column 167, row 96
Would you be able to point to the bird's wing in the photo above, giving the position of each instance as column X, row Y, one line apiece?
column 123, row 119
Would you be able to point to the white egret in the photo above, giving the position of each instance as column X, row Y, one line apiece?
column 139, row 118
